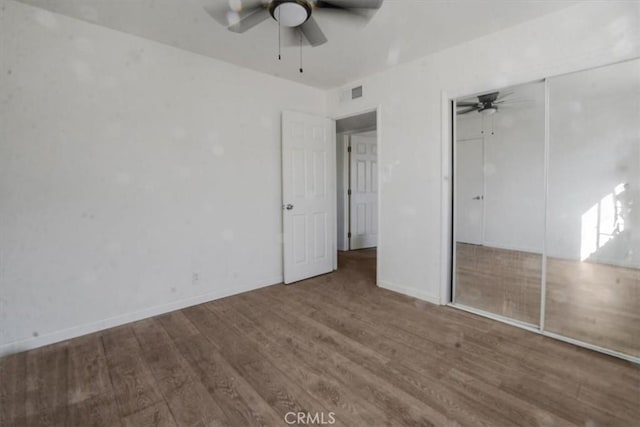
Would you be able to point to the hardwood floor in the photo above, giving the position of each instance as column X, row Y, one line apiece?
column 595, row 303
column 335, row 343
column 499, row 281
column 587, row 301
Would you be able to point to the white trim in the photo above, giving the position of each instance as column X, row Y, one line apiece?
column 446, row 198
column 543, row 272
column 471, row 93
column 532, row 328
column 530, row 250
column 524, row 325
column 99, row 325
column 359, row 131
column 483, row 139
column 344, row 239
column 593, row 347
column 333, row 173
column 412, row 292
column 378, row 158
column 357, row 113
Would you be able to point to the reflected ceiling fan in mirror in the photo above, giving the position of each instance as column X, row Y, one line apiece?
column 487, row 104
column 293, row 16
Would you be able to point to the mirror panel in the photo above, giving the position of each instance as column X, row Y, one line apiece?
column 593, row 223
column 499, row 202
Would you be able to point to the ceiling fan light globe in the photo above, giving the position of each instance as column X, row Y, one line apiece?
column 290, row 14
column 488, row 111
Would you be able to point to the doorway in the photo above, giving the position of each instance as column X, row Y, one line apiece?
column 357, row 182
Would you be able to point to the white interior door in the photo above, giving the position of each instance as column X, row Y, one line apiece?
column 470, row 191
column 308, row 195
column 364, row 191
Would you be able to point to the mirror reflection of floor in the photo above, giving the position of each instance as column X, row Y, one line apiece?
column 595, row 303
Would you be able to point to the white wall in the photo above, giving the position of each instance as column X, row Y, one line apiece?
column 413, row 253
column 594, row 165
column 135, row 178
column 513, row 167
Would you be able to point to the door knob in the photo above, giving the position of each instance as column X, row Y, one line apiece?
column 288, row 207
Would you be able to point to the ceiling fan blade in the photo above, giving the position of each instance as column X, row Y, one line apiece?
column 349, row 4
column 468, row 110
column 502, row 96
column 354, row 16
column 249, row 20
column 224, row 14
column 516, row 101
column 312, row 32
column 466, row 104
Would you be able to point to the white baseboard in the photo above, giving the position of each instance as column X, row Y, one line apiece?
column 76, row 331
column 532, row 250
column 412, row 292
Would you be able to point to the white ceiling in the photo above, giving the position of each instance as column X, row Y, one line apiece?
column 400, row 31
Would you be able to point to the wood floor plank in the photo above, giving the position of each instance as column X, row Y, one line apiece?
column 95, row 411
column 241, row 404
column 13, row 371
column 540, row 375
column 284, row 396
column 46, row 382
column 551, row 375
column 133, row 384
column 192, row 405
column 318, row 382
column 333, row 343
column 446, row 401
column 88, row 374
column 156, row 415
column 187, row 398
column 177, row 325
column 412, row 378
column 407, row 410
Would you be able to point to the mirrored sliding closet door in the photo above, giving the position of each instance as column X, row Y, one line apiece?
column 547, row 207
column 593, row 222
column 499, row 202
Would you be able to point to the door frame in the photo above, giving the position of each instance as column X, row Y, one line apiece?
column 378, row 110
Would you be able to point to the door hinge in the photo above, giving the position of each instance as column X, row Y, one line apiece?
column 348, row 192
column 348, row 149
column 349, row 235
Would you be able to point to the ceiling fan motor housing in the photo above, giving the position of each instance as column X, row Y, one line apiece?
column 290, row 13
column 487, row 103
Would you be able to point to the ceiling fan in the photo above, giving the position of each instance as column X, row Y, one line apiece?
column 242, row 15
column 486, row 104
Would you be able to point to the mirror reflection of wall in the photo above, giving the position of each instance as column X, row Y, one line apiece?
column 499, row 179
column 553, row 228
column 593, row 231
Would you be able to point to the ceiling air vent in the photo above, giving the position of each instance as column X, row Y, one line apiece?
column 356, row 92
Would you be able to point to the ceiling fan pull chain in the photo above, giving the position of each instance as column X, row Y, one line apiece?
column 279, row 43
column 301, row 51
